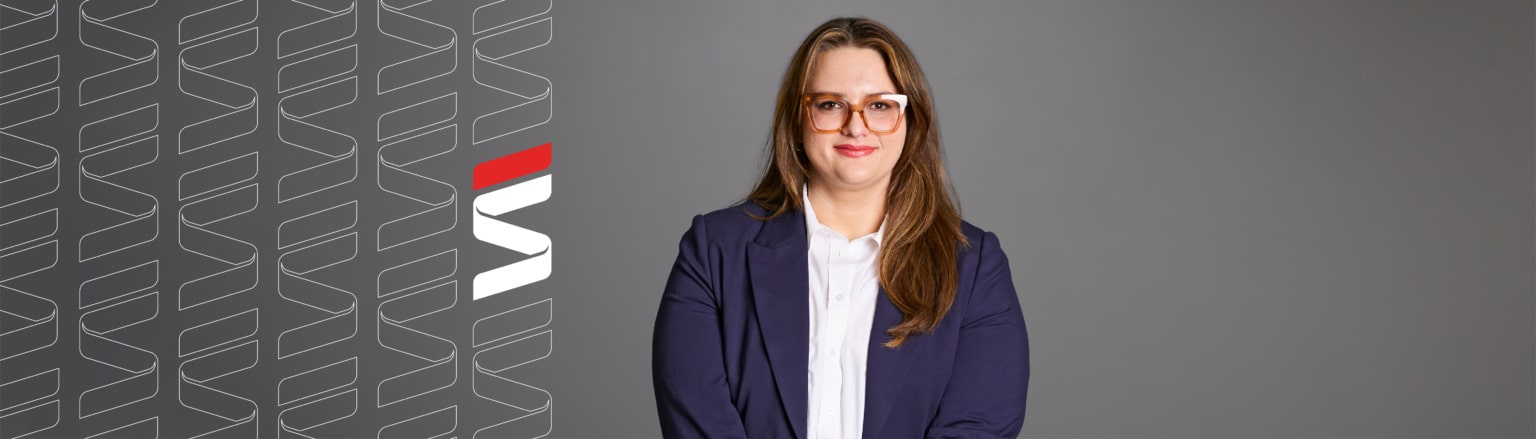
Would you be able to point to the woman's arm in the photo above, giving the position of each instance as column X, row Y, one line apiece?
column 687, row 363
column 986, row 392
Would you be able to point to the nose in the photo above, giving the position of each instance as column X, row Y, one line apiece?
column 855, row 126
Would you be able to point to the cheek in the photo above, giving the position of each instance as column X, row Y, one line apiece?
column 807, row 137
column 817, row 141
column 815, row 147
column 897, row 142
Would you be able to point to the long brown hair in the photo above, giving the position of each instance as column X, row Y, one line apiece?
column 922, row 236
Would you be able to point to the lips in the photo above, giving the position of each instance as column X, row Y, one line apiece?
column 854, row 151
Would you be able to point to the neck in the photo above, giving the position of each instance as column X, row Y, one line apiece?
column 850, row 212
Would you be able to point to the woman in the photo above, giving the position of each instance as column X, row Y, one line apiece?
column 774, row 323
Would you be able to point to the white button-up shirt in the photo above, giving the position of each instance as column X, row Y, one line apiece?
column 843, row 287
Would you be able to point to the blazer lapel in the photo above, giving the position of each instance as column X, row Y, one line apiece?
column 776, row 263
column 886, row 369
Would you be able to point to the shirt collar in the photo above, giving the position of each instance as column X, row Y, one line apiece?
column 812, row 224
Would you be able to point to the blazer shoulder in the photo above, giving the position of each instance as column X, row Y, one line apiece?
column 734, row 223
column 737, row 214
column 973, row 235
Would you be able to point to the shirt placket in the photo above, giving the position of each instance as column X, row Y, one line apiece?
column 859, row 262
column 839, row 280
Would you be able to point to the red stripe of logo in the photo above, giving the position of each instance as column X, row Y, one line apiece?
column 512, row 165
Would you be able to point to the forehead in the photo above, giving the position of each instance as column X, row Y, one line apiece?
column 850, row 71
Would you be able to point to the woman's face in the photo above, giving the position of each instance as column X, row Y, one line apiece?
column 852, row 158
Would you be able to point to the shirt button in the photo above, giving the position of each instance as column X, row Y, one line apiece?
column 838, row 297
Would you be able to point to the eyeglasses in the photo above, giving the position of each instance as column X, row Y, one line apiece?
column 829, row 113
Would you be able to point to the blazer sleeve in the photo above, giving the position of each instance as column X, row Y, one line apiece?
column 687, row 362
column 987, row 390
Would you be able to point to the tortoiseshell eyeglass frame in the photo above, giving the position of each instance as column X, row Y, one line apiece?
column 901, row 101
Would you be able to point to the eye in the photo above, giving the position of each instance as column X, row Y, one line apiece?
column 828, row 105
column 880, row 105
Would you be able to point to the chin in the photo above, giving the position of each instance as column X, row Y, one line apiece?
column 858, row 180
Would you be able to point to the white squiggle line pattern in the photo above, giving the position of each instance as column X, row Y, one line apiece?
column 420, row 289
column 28, row 245
column 117, row 144
column 220, row 351
column 140, row 51
column 318, row 79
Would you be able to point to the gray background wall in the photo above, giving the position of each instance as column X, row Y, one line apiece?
column 1225, row 218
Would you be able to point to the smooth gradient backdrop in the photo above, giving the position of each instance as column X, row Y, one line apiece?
column 1225, row 218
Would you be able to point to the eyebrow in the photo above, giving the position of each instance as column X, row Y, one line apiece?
column 845, row 96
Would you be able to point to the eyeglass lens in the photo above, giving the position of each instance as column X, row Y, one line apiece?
column 880, row 115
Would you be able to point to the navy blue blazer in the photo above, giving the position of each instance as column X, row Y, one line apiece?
column 730, row 348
